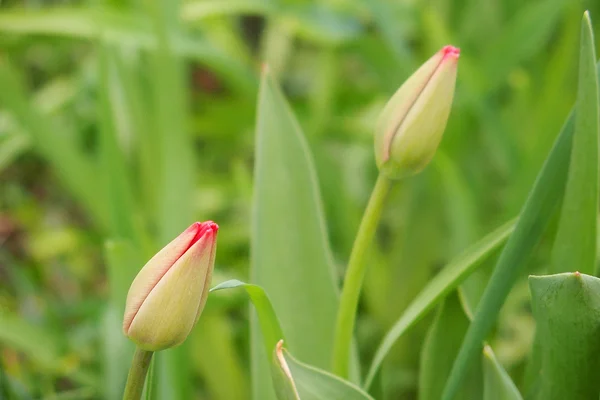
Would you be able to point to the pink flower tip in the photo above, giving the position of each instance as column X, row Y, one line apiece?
column 450, row 51
column 202, row 229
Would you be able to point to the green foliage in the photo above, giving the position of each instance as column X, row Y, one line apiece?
column 575, row 244
column 535, row 215
column 497, row 385
column 290, row 251
column 439, row 350
column 566, row 308
column 447, row 280
column 121, row 122
column 310, row 383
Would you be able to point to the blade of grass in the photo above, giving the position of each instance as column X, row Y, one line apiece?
column 123, row 29
column 290, row 255
column 69, row 162
column 575, row 243
column 444, row 282
column 120, row 199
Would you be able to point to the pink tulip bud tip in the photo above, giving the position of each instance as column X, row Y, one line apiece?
column 577, row 274
column 202, row 228
column 451, row 51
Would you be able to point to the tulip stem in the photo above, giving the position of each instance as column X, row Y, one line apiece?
column 355, row 273
column 137, row 374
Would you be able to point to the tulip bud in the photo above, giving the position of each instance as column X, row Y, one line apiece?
column 169, row 293
column 411, row 125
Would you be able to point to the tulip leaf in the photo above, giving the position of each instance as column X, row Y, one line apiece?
column 497, row 385
column 306, row 382
column 446, row 281
column 575, row 243
column 439, row 350
column 290, row 252
column 543, row 200
column 566, row 308
column 295, row 380
column 267, row 319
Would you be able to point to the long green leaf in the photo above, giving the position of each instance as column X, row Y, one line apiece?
column 566, row 308
column 446, row 281
column 297, row 380
column 542, row 202
column 575, row 243
column 497, row 385
column 290, row 255
column 439, row 350
column 119, row 196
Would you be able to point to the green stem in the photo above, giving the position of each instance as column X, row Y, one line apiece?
column 137, row 374
column 354, row 277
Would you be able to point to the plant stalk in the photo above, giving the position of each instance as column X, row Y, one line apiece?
column 137, row 374
column 354, row 277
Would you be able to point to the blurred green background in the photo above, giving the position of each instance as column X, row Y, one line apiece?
column 122, row 122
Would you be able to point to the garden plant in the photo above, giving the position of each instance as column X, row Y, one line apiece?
column 395, row 216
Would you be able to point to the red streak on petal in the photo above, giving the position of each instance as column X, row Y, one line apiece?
column 202, row 228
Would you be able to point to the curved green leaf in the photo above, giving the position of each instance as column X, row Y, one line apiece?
column 439, row 350
column 566, row 308
column 289, row 248
column 296, row 380
column 267, row 319
column 308, row 382
column 446, row 281
column 497, row 385
column 575, row 243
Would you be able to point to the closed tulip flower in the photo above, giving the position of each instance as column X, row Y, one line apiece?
column 168, row 295
column 412, row 123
